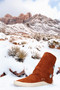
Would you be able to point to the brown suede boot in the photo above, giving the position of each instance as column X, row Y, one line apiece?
column 42, row 74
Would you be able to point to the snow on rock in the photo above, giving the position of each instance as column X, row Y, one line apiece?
column 54, row 33
column 2, row 24
column 16, row 29
column 54, row 43
column 44, row 24
column 15, row 66
column 2, row 36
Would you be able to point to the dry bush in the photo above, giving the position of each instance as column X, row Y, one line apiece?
column 51, row 45
column 23, row 42
column 46, row 38
column 30, row 47
column 2, row 30
column 12, row 39
column 58, row 46
column 21, row 55
column 36, row 56
column 38, row 47
column 54, row 44
column 37, row 36
column 13, row 51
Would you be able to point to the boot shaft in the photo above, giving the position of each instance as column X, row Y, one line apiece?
column 45, row 67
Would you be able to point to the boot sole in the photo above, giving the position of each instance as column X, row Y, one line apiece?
column 22, row 84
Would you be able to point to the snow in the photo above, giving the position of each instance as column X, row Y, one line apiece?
column 6, row 83
column 2, row 36
column 18, row 28
column 51, row 31
column 6, row 62
column 2, row 24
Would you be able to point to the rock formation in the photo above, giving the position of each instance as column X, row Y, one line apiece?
column 8, row 19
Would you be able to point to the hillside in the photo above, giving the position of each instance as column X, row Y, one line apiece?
column 43, row 24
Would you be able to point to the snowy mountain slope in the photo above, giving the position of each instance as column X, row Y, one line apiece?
column 15, row 29
column 36, row 24
column 44, row 24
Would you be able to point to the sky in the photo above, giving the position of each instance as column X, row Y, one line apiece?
column 49, row 8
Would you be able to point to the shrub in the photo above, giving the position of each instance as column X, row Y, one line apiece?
column 13, row 51
column 11, row 39
column 2, row 30
column 54, row 44
column 36, row 56
column 51, row 45
column 21, row 55
column 23, row 42
column 58, row 46
column 37, row 36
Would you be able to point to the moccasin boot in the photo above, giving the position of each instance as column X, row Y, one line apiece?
column 42, row 74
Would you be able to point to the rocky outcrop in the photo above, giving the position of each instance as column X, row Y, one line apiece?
column 15, row 29
column 42, row 24
column 58, row 72
column 8, row 19
column 54, row 44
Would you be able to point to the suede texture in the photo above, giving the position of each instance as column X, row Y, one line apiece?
column 43, row 71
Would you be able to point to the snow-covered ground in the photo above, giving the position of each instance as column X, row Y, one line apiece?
column 31, row 46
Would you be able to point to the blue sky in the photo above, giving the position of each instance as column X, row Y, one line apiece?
column 1, row 0
column 55, row 3
column 50, row 8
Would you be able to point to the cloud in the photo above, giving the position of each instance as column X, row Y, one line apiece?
column 15, row 7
